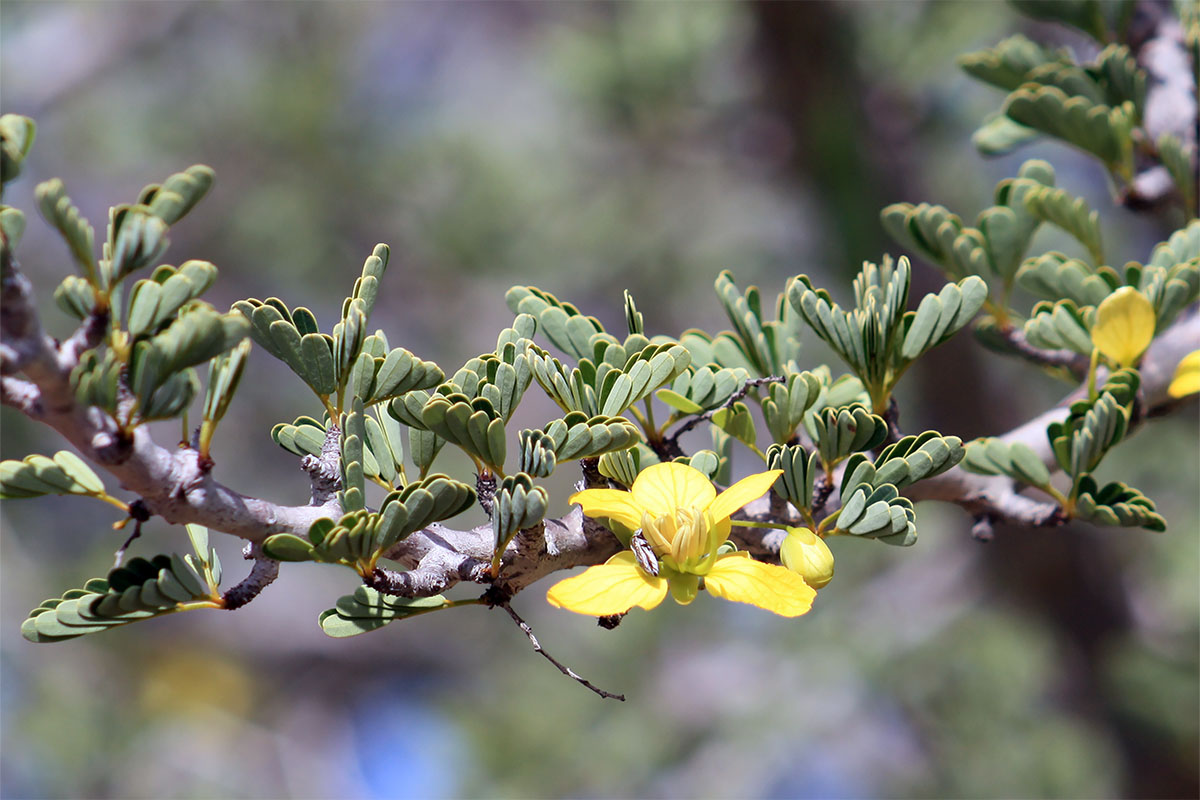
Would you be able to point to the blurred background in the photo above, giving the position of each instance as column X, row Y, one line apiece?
column 586, row 148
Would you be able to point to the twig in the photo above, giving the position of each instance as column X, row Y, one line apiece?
column 262, row 574
column 139, row 514
column 537, row 648
column 753, row 383
column 1069, row 360
column 892, row 417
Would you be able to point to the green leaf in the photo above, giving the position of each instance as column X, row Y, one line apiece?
column 1061, row 325
column 61, row 213
column 136, row 238
column 1122, row 78
column 304, row 437
column 473, row 425
column 999, row 135
column 141, row 589
column 786, row 404
column 287, row 547
column 155, row 368
column 848, row 430
column 178, row 194
column 1006, row 64
column 1117, row 504
column 799, row 472
column 878, row 513
column 1178, row 160
column 997, row 457
column 95, row 380
column 16, row 138
column 561, row 323
column 537, row 453
column 705, row 461
column 940, row 316
column 517, row 505
column 154, row 301
column 224, row 375
column 368, row 610
column 1054, row 276
column 1070, row 213
column 37, row 475
column 577, row 435
column 771, row 346
column 623, row 466
column 737, row 422
column 1103, row 131
column 1093, row 427
column 75, row 296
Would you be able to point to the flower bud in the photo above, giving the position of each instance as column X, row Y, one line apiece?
column 806, row 554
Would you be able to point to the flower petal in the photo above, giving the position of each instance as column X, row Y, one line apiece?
column 662, row 488
column 1124, row 326
column 611, row 588
column 739, row 578
column 1187, row 376
column 611, row 503
column 684, row 587
column 742, row 492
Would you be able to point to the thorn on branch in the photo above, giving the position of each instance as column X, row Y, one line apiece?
column 537, row 648
column 982, row 530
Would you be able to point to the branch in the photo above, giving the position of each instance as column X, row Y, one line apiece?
column 172, row 484
column 997, row 496
column 1171, row 106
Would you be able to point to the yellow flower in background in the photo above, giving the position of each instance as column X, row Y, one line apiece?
column 1187, row 376
column 1124, row 326
column 685, row 521
column 807, row 555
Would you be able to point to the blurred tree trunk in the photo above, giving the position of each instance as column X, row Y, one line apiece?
column 854, row 163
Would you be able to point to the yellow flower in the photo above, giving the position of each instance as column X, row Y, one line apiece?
column 1187, row 376
column 806, row 554
column 686, row 522
column 1124, row 326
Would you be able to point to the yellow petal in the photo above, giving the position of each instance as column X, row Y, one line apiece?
column 1124, row 326
column 662, row 488
column 1187, row 376
column 611, row 503
column 807, row 555
column 611, row 588
column 742, row 579
column 684, row 587
column 742, row 492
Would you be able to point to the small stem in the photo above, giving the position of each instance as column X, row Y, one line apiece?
column 746, row 523
column 1091, row 379
column 651, row 425
column 537, row 648
column 108, row 498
